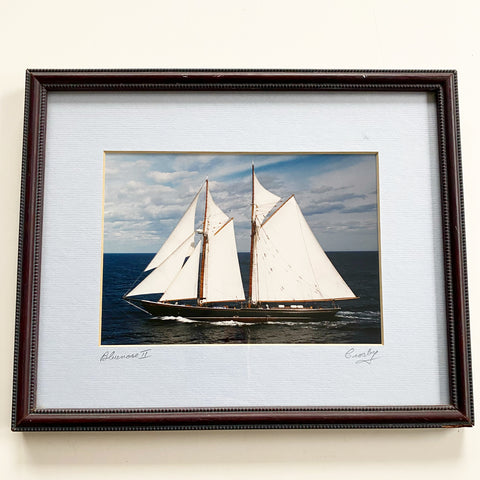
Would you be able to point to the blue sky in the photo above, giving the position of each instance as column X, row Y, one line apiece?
column 147, row 193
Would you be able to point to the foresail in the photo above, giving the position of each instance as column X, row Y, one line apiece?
column 185, row 284
column 263, row 200
column 222, row 280
column 162, row 276
column 184, row 229
column 289, row 263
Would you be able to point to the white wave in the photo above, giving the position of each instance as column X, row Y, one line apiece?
column 285, row 323
column 358, row 315
column 230, row 323
column 179, row 319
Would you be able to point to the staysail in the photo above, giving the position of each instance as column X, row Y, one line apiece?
column 288, row 263
column 185, row 284
column 162, row 276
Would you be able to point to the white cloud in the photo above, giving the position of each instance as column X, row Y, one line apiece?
column 167, row 177
column 146, row 195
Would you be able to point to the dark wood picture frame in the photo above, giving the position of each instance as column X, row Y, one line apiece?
column 26, row 417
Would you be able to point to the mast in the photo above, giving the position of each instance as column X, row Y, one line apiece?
column 204, row 248
column 252, row 240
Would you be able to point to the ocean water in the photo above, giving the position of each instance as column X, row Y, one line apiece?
column 358, row 322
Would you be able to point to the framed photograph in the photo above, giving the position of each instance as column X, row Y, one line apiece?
column 230, row 274
column 241, row 249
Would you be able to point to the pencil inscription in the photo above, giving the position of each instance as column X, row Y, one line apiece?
column 362, row 356
column 113, row 355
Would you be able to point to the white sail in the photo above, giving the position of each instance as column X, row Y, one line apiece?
column 221, row 275
column 162, row 276
column 185, row 284
column 184, row 229
column 263, row 200
column 216, row 218
column 222, row 278
column 289, row 263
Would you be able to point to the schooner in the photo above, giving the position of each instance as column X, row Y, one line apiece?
column 289, row 272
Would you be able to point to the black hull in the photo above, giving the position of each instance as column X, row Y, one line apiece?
column 248, row 315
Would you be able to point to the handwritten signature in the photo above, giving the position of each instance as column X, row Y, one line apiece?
column 113, row 355
column 362, row 357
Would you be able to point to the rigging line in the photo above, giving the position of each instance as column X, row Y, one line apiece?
column 130, row 288
column 136, row 306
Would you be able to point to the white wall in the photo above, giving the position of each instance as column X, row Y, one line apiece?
column 247, row 34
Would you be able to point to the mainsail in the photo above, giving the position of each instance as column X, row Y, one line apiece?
column 288, row 264
column 223, row 281
column 221, row 277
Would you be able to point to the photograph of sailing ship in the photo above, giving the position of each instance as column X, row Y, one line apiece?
column 250, row 248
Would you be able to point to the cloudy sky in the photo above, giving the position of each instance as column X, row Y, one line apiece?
column 147, row 193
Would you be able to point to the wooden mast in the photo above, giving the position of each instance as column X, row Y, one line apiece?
column 252, row 240
column 204, row 248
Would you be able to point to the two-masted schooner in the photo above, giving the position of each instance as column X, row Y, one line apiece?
column 289, row 272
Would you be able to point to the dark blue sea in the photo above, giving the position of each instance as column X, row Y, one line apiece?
column 358, row 322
